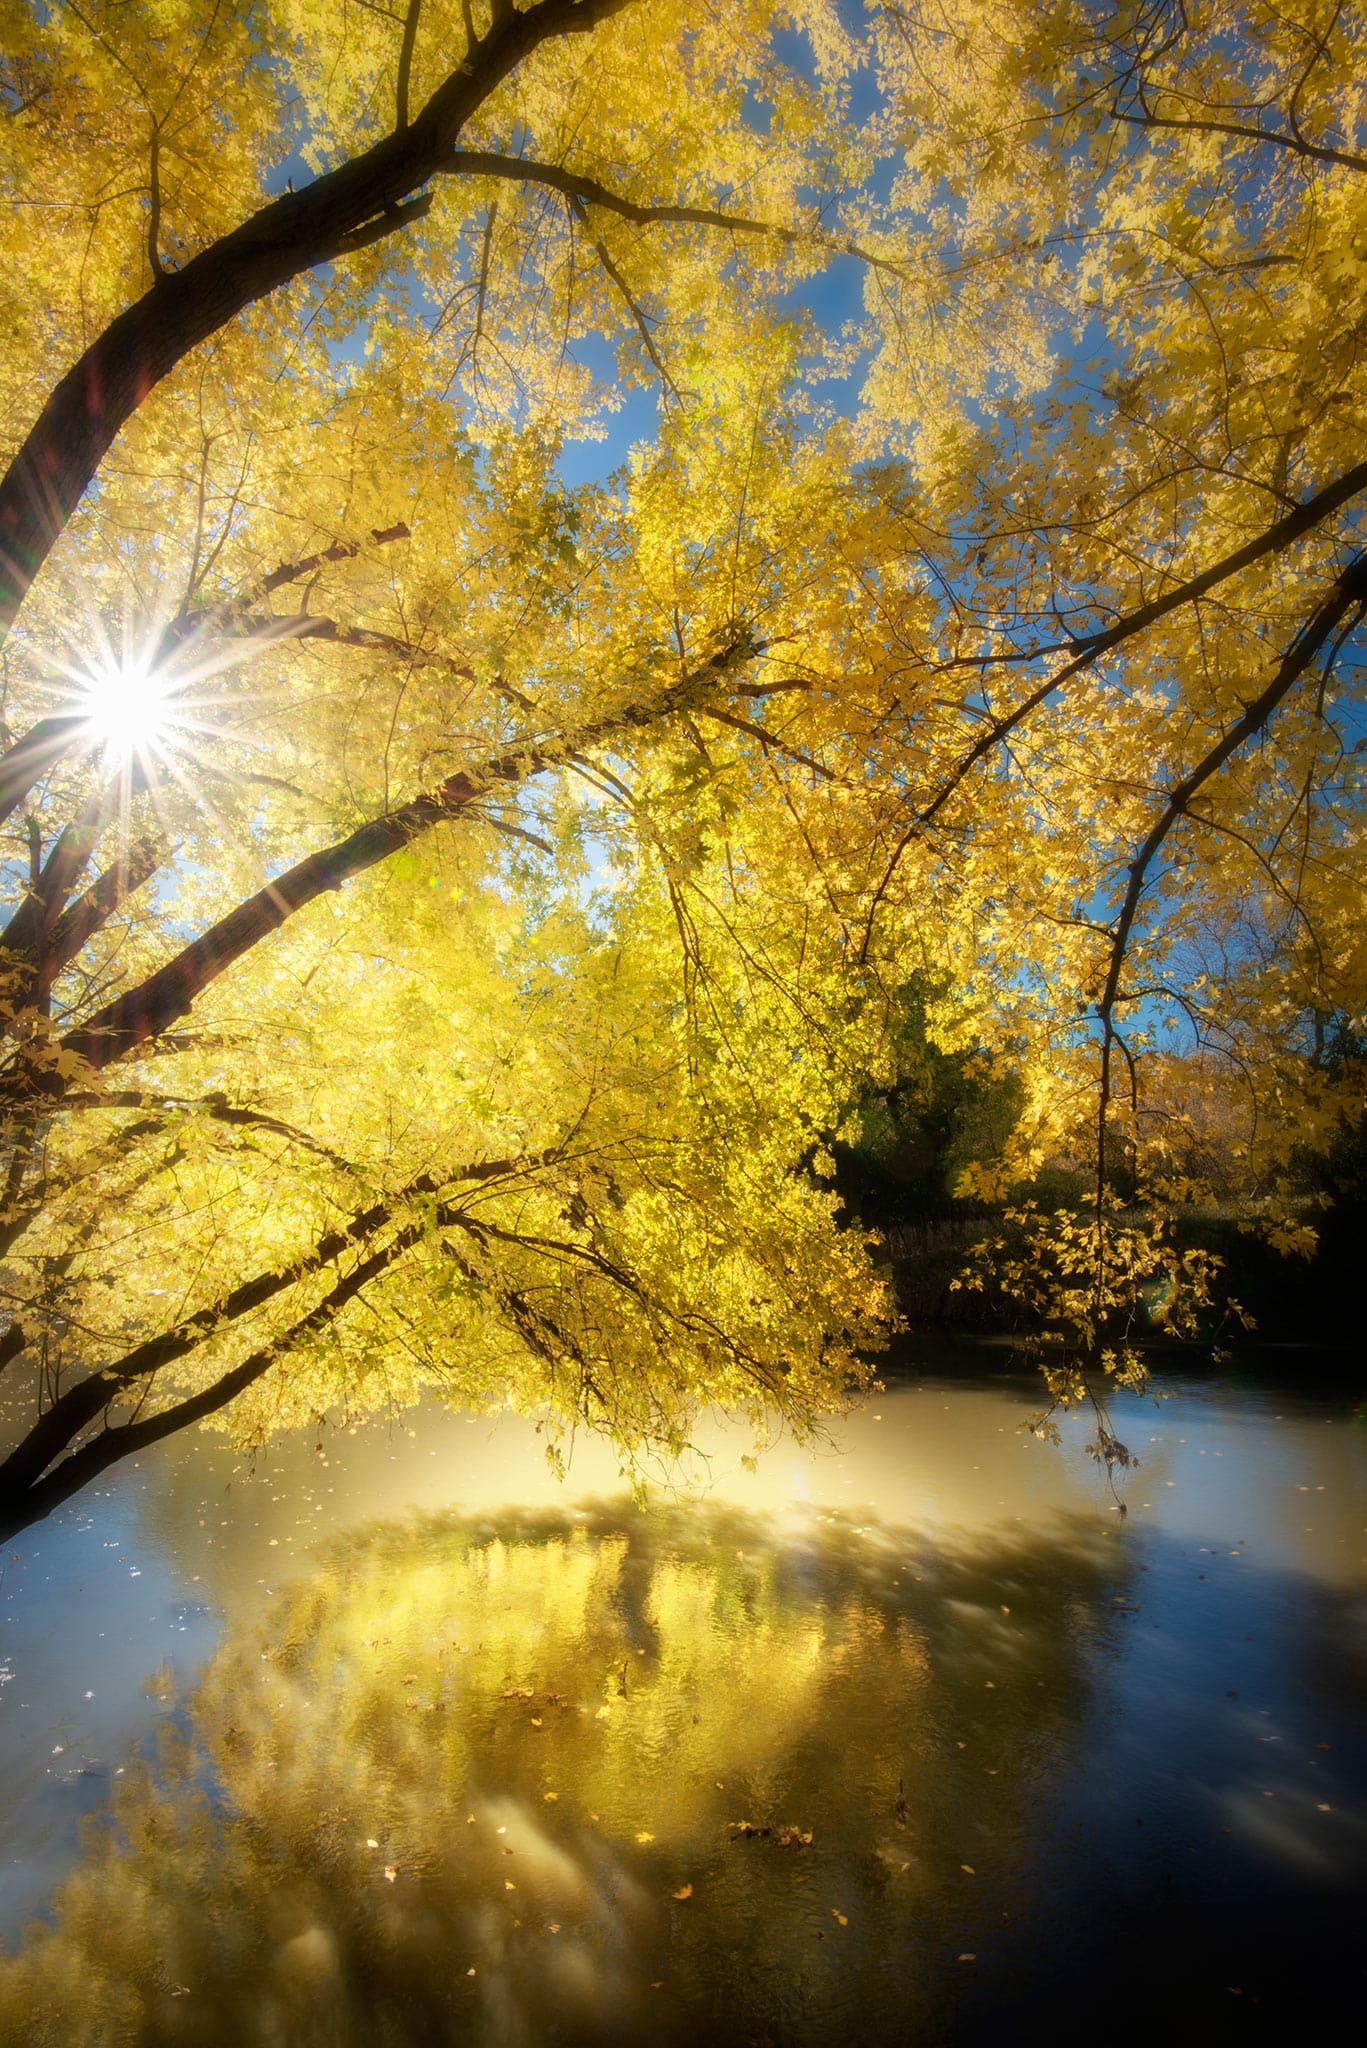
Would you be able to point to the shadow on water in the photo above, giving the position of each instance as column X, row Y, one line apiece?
column 483, row 1780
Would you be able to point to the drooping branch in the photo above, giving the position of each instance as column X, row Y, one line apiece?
column 638, row 313
column 23, row 1504
column 1346, row 600
column 1272, row 541
column 344, row 210
column 81, row 1405
column 161, row 1110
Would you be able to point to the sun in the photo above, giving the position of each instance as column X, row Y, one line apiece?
column 129, row 704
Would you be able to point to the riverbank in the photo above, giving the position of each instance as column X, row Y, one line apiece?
column 1289, row 1302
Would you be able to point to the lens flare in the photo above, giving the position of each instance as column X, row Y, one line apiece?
column 129, row 705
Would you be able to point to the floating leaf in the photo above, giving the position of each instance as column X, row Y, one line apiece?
column 685, row 1891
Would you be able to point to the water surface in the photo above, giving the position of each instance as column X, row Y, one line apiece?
column 393, row 1738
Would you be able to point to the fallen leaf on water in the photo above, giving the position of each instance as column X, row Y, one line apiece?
column 391, row 1871
column 550, row 1797
column 508, row 1885
column 969, row 1868
column 536, row 1720
column 371, row 1843
column 645, row 1836
column 685, row 1891
column 968, row 1957
column 553, row 1927
column 838, row 1915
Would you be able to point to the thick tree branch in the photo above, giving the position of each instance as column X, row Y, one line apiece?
column 334, row 215
column 30, row 758
column 405, row 71
column 23, row 1504
column 143, row 1013
column 82, row 1404
column 77, row 925
column 28, row 928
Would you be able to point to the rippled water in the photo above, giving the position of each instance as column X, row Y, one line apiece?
column 914, row 1738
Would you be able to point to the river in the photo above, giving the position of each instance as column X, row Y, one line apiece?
column 911, row 1736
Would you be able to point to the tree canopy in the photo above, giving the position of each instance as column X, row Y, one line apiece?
column 454, row 907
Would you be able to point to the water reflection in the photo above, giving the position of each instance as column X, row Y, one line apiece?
column 482, row 1780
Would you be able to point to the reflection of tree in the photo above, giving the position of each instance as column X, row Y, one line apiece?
column 454, row 1785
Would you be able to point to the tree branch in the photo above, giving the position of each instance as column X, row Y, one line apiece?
column 1349, row 594
column 1319, row 152
column 79, row 1406
column 575, row 185
column 26, row 1503
column 1270, row 542
column 337, row 213
column 410, row 34
column 141, row 1014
